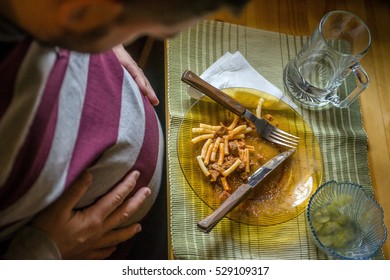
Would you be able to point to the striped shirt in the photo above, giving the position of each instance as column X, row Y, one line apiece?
column 61, row 113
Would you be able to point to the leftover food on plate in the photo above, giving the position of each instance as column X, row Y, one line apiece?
column 218, row 151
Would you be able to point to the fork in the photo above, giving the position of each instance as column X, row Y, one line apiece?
column 264, row 128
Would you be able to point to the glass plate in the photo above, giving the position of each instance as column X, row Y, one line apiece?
column 282, row 195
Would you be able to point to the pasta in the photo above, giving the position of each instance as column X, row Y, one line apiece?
column 221, row 153
column 205, row 148
column 225, row 157
column 259, row 106
column 215, row 149
column 234, row 122
column 237, row 136
column 202, row 137
column 237, row 130
column 247, row 161
column 226, row 146
column 224, row 151
column 233, row 167
column 208, row 153
column 202, row 130
column 225, row 184
column 202, row 166
column 211, row 127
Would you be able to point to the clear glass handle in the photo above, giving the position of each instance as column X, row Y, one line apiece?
column 362, row 80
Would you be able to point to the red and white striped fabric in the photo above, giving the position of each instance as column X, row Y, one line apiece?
column 63, row 112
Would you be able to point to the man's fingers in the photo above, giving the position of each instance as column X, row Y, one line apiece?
column 112, row 200
column 73, row 194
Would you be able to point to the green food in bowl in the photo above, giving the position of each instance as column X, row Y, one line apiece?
column 345, row 222
column 335, row 229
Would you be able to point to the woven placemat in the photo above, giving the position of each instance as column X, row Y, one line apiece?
column 340, row 133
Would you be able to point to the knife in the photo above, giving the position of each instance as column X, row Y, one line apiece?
column 208, row 223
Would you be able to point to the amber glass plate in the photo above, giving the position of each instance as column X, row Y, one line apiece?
column 284, row 194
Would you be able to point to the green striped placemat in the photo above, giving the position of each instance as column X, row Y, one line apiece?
column 340, row 133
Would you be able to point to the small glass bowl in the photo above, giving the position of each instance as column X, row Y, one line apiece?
column 345, row 222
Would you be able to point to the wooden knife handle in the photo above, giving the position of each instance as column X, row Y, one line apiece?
column 217, row 95
column 208, row 223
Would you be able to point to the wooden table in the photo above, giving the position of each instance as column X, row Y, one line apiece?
column 300, row 17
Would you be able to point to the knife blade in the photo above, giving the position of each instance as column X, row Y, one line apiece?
column 208, row 223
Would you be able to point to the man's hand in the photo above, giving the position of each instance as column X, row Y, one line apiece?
column 138, row 75
column 92, row 233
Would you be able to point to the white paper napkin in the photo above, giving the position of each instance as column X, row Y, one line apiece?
column 233, row 70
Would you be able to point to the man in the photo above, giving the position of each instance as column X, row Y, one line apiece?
column 80, row 144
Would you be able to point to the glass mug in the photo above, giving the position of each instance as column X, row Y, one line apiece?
column 330, row 55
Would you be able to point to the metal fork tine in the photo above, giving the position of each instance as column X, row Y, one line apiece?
column 276, row 137
column 283, row 137
column 272, row 139
column 285, row 133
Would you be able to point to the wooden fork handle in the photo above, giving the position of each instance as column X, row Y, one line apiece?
column 217, row 95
